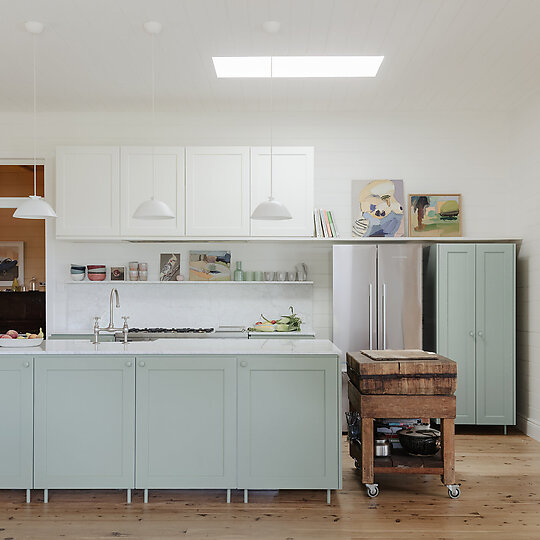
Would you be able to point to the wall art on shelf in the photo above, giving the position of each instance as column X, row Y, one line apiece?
column 435, row 215
column 11, row 263
column 377, row 208
column 209, row 265
column 118, row 273
column 169, row 264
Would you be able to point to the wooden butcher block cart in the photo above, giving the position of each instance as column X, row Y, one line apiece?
column 402, row 384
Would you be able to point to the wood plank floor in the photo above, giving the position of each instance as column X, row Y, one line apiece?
column 500, row 499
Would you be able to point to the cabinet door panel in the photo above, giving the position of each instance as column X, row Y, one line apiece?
column 217, row 191
column 88, row 191
column 289, row 423
column 136, row 186
column 84, row 422
column 495, row 331
column 456, row 321
column 186, row 423
column 292, row 186
column 16, row 396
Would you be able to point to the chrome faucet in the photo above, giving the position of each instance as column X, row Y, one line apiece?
column 110, row 327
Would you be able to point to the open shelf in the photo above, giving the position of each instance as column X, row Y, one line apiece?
column 109, row 282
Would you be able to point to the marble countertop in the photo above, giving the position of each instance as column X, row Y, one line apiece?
column 215, row 346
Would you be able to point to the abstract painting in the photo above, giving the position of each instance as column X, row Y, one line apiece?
column 11, row 263
column 377, row 208
column 434, row 215
column 169, row 266
column 118, row 273
column 209, row 266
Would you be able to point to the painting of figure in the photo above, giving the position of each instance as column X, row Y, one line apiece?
column 11, row 263
column 377, row 209
column 435, row 215
column 209, row 266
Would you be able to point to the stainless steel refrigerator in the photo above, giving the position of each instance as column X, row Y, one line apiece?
column 377, row 296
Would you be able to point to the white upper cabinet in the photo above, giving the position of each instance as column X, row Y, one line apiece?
column 292, row 186
column 136, row 186
column 217, row 191
column 88, row 191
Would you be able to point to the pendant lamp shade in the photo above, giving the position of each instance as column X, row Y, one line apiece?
column 34, row 207
column 271, row 209
column 153, row 208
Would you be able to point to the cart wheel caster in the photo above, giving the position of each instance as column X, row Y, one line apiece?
column 357, row 465
column 372, row 490
column 454, row 492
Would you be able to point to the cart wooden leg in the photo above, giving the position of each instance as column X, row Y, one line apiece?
column 448, row 450
column 367, row 450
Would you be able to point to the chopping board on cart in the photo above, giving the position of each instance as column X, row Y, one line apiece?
column 402, row 372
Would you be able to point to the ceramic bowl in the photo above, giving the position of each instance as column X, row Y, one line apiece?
column 77, row 277
column 78, row 267
column 73, row 271
column 97, row 277
column 96, row 267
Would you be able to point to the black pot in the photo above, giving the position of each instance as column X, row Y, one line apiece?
column 420, row 440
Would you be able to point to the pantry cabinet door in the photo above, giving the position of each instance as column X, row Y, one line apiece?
column 292, row 185
column 289, row 429
column 186, row 422
column 88, row 191
column 217, row 191
column 456, row 322
column 84, row 422
column 137, row 181
column 495, row 334
column 16, row 419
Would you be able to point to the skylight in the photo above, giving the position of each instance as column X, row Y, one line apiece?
column 296, row 66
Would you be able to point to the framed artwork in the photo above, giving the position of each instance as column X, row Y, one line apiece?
column 435, row 215
column 11, row 263
column 209, row 266
column 118, row 273
column 377, row 208
column 169, row 266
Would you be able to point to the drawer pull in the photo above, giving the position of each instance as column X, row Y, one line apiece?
column 128, row 364
column 142, row 363
column 243, row 363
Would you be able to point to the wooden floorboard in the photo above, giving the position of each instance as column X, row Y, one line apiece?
column 500, row 477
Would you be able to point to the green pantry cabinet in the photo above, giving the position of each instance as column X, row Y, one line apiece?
column 473, row 300
column 155, row 422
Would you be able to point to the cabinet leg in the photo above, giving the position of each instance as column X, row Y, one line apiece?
column 27, row 495
column 328, row 496
column 245, row 496
column 228, row 496
column 45, row 496
column 448, row 451
column 129, row 496
column 505, row 429
column 146, row 496
column 367, row 450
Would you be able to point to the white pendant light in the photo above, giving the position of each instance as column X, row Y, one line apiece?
column 153, row 208
column 271, row 209
column 34, row 207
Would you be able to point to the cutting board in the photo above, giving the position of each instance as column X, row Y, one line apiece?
column 400, row 354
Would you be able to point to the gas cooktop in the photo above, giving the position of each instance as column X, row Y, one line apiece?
column 151, row 334
column 170, row 330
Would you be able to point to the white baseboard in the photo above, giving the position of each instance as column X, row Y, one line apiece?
column 529, row 427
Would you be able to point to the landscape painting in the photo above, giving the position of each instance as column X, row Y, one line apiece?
column 435, row 215
column 377, row 208
column 209, row 265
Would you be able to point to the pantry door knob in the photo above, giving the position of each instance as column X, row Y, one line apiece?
column 243, row 363
column 128, row 364
column 480, row 333
column 142, row 363
column 471, row 333
column 26, row 364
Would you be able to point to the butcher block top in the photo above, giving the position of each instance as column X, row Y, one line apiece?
column 402, row 372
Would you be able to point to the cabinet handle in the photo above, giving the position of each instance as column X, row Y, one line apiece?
column 26, row 364
column 480, row 333
column 243, row 363
column 142, row 363
column 128, row 364
column 471, row 333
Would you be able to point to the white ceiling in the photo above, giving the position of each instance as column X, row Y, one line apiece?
column 439, row 54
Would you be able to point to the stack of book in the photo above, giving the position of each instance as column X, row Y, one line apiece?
column 391, row 426
column 324, row 224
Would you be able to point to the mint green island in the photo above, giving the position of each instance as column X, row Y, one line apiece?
column 171, row 414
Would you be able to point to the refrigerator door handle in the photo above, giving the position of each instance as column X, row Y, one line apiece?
column 371, row 316
column 384, row 315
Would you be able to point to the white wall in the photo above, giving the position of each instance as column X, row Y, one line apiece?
column 456, row 152
column 524, row 219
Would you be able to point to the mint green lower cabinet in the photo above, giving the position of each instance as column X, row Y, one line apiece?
column 289, row 429
column 16, row 439
column 186, row 422
column 84, row 422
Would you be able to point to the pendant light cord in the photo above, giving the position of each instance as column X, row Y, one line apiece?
column 153, row 118
column 271, row 128
column 34, row 127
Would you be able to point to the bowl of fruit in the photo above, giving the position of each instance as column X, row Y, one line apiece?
column 12, row 338
column 286, row 323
